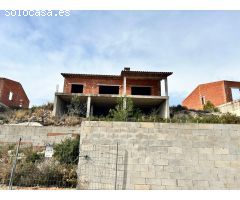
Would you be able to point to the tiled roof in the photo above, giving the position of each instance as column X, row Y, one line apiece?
column 123, row 73
column 89, row 75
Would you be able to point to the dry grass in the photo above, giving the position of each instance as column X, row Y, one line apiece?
column 6, row 187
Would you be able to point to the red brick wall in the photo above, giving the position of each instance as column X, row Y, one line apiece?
column 214, row 92
column 18, row 94
column 1, row 87
column 91, row 85
column 228, row 86
column 193, row 100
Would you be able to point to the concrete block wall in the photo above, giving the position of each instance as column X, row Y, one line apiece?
column 231, row 107
column 159, row 156
column 36, row 136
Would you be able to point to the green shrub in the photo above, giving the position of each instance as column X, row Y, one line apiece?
column 67, row 152
column 177, row 108
column 25, row 174
column 47, row 106
column 11, row 146
column 34, row 157
column 76, row 107
column 210, row 119
column 2, row 108
column 33, row 170
column 119, row 113
column 46, row 174
column 209, row 106
column 230, row 119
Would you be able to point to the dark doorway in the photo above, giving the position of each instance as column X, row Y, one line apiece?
column 108, row 89
column 141, row 90
column 76, row 88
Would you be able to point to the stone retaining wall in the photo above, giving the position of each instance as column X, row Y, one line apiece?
column 159, row 156
column 35, row 135
column 149, row 156
column 231, row 107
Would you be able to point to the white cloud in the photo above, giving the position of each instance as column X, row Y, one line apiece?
column 197, row 46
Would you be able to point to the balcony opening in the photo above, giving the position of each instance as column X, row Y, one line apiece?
column 141, row 90
column 76, row 88
column 108, row 89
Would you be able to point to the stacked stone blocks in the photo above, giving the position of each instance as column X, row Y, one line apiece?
column 172, row 156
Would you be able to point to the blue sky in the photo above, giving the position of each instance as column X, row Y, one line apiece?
column 197, row 46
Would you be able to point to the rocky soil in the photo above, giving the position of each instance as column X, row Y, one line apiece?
column 37, row 116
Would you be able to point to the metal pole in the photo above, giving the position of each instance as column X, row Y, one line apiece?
column 14, row 165
column 116, row 168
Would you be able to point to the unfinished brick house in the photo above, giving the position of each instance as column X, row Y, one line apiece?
column 219, row 93
column 12, row 94
column 100, row 92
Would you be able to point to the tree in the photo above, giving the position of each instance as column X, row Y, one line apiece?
column 119, row 113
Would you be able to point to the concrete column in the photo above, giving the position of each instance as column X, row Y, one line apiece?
column 58, row 107
column 88, row 106
column 124, row 86
column 167, row 112
column 91, row 112
column 160, row 88
column 166, row 86
column 124, row 92
column 124, row 103
column 164, row 109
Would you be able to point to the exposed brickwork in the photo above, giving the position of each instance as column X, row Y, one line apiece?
column 56, row 134
column 19, row 98
column 91, row 85
column 217, row 92
column 228, row 86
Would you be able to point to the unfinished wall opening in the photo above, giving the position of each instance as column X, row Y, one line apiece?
column 77, row 88
column 235, row 93
column 203, row 100
column 10, row 96
column 108, row 89
column 141, row 90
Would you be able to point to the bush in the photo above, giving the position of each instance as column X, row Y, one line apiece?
column 21, row 115
column 67, row 152
column 70, row 120
column 47, row 106
column 2, row 108
column 209, row 106
column 3, row 120
column 33, row 156
column 177, row 108
column 119, row 113
column 33, row 170
column 48, row 174
column 76, row 107
column 209, row 119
